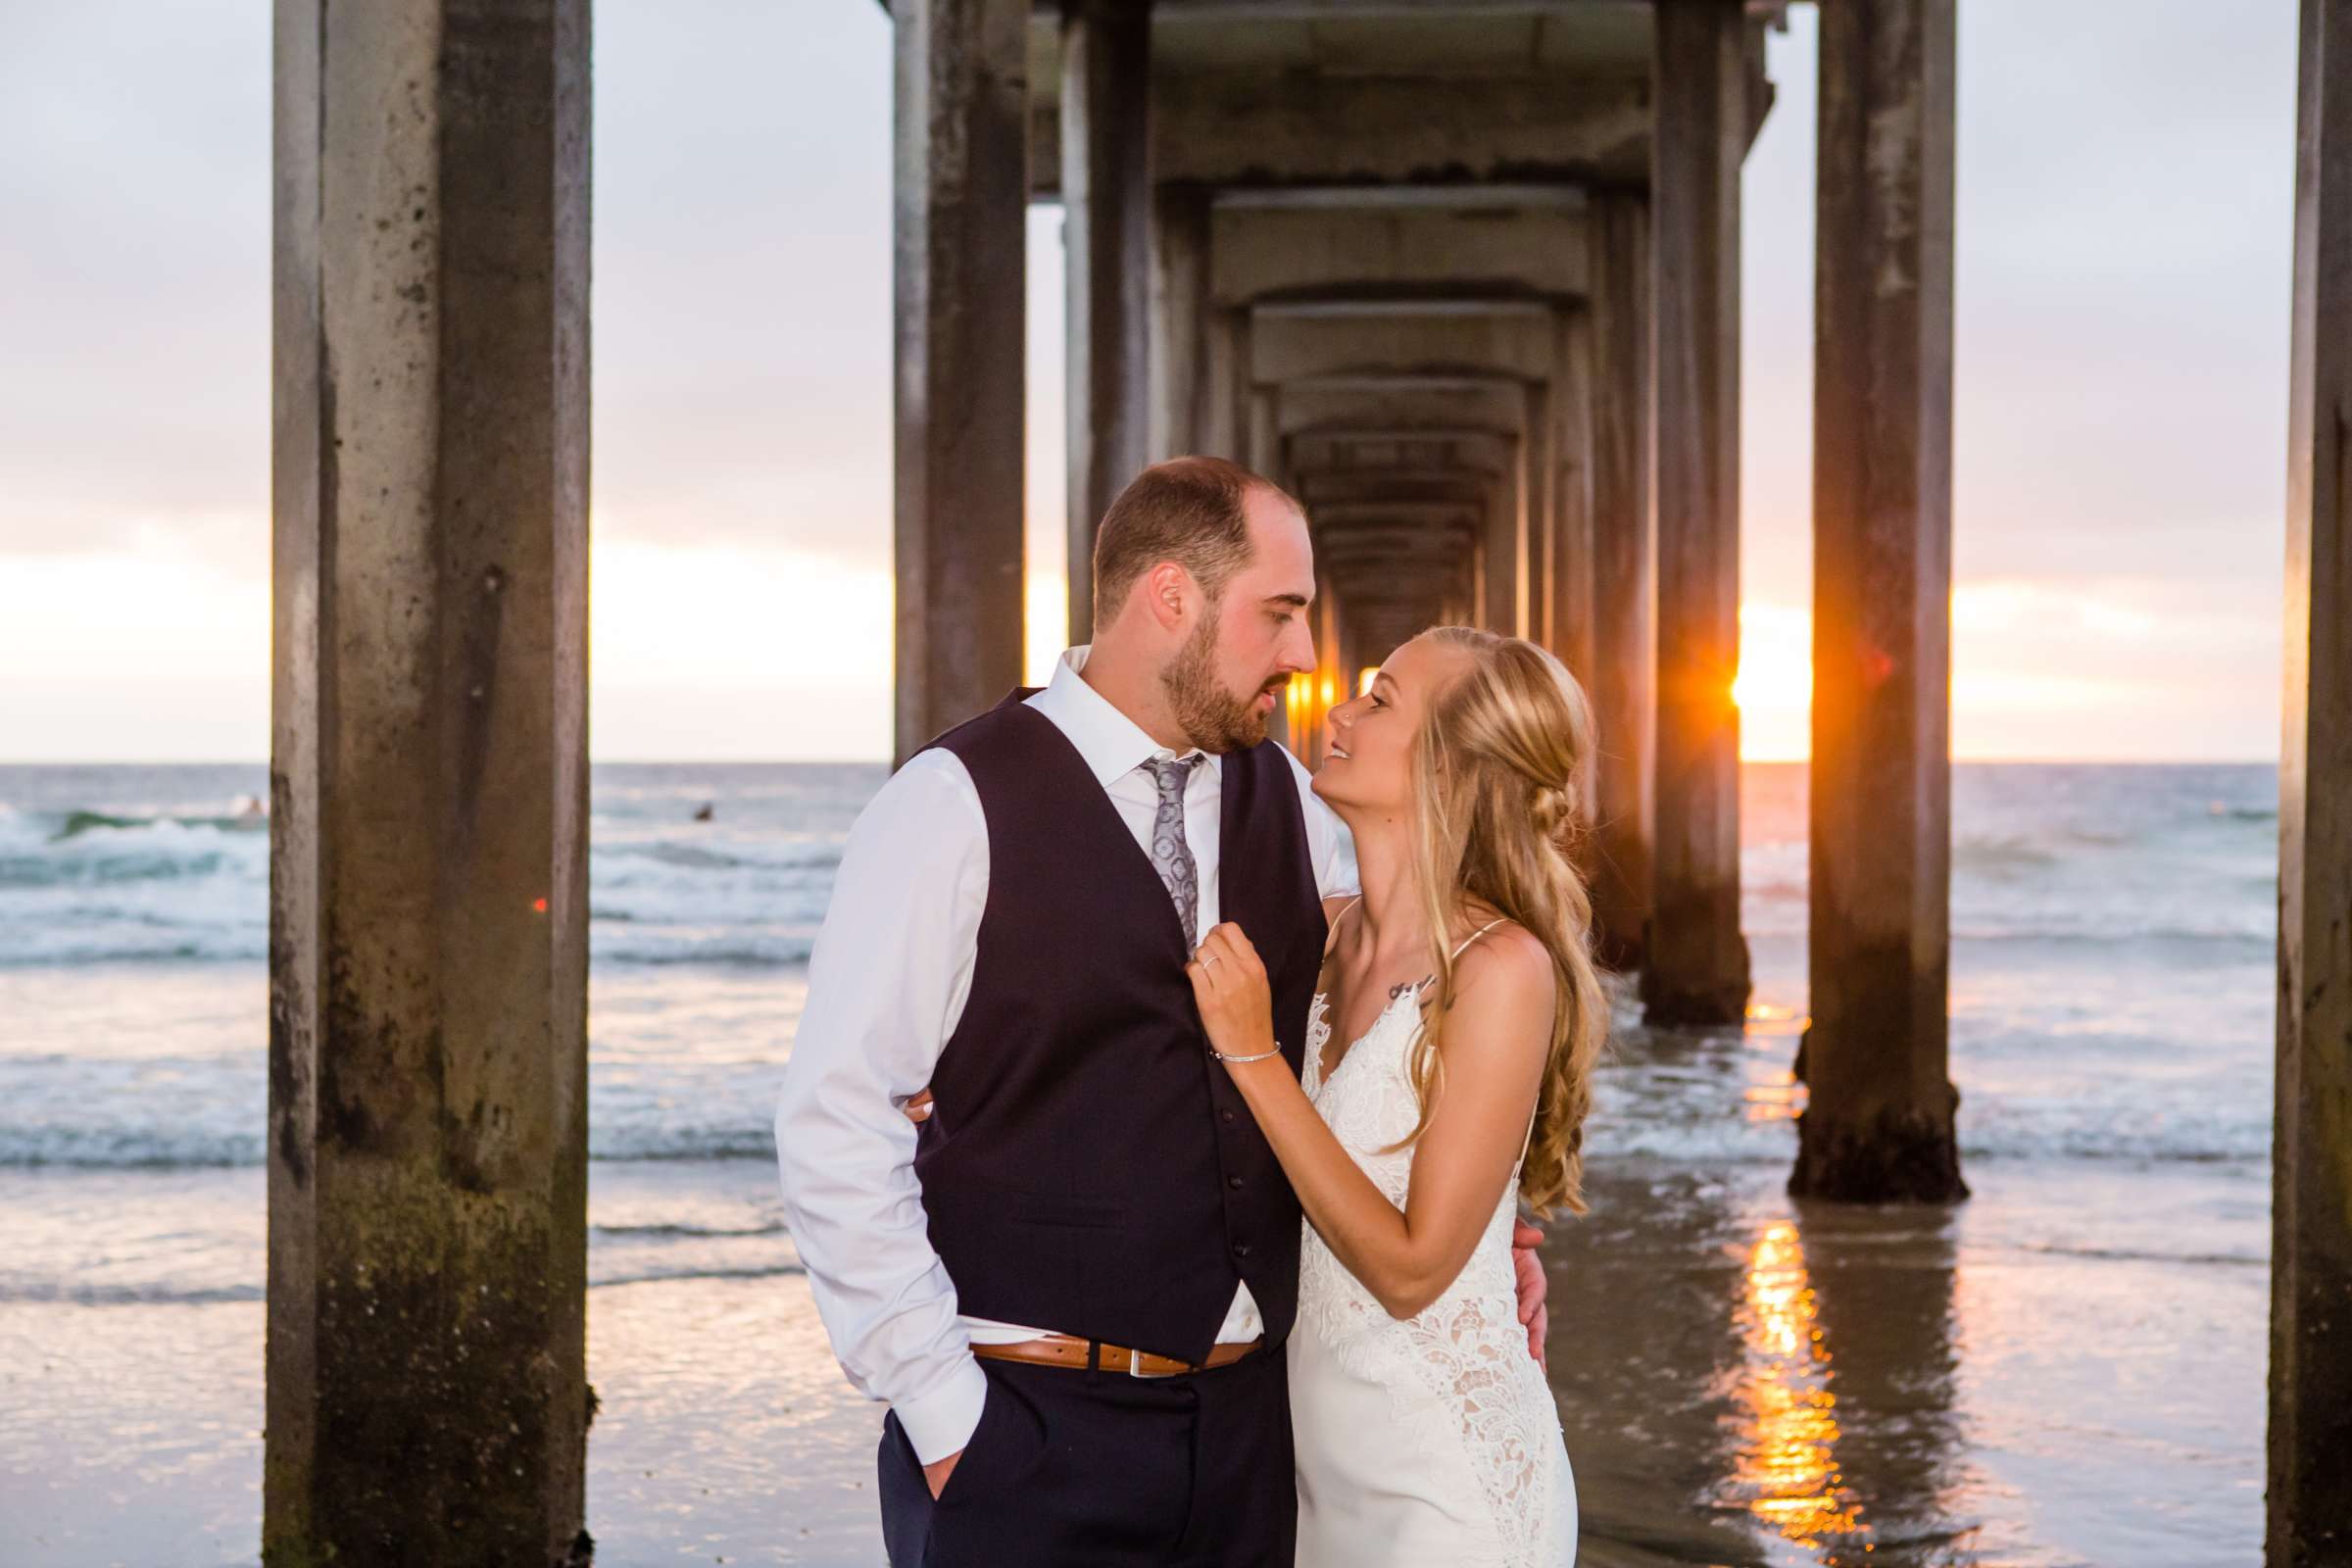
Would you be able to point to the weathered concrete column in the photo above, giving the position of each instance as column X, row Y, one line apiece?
column 1624, row 680
column 1542, row 545
column 1310, row 735
column 426, row 1393
column 1878, row 1127
column 1264, row 415
column 1107, row 206
column 2309, row 1495
column 1347, row 656
column 1697, row 959
column 962, row 173
column 1183, row 359
column 1223, row 401
column 1502, row 551
column 1571, row 632
column 1527, row 484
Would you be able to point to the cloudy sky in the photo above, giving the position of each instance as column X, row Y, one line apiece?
column 2125, row 215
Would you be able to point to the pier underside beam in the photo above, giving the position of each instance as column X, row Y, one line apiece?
column 1527, row 246
column 1366, row 223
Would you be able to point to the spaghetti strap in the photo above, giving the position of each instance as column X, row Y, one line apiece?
column 1331, row 933
column 1480, row 932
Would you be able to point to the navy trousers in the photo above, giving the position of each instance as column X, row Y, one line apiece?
column 1077, row 1469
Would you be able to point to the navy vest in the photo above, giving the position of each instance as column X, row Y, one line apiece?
column 1090, row 1168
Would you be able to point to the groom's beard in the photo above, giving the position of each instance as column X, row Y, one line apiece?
column 1210, row 716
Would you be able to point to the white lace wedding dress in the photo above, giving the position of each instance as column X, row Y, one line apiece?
column 1430, row 1439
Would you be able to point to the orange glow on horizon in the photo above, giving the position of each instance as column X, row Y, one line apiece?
column 2042, row 671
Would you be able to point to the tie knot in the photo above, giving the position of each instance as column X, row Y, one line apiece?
column 1172, row 771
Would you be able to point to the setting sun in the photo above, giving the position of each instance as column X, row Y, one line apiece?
column 1773, row 688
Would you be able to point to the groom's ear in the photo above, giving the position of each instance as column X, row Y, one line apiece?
column 1172, row 595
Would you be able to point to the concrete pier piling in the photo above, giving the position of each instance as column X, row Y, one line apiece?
column 426, row 1395
column 960, row 236
column 1189, row 357
column 1878, row 1126
column 2309, row 1495
column 1563, row 618
column 1106, row 236
column 1623, row 680
column 1503, row 546
column 1696, row 961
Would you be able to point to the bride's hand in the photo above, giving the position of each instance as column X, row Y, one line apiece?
column 1237, row 1006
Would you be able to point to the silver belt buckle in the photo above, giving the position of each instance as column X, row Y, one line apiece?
column 1135, row 1366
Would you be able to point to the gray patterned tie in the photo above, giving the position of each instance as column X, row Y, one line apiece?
column 1171, row 856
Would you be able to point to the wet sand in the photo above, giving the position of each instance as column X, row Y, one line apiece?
column 130, row 1431
column 2041, row 1376
column 2045, row 1376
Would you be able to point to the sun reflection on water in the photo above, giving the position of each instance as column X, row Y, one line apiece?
column 1766, row 1019
column 1773, row 1093
column 1779, row 1100
column 1787, row 1469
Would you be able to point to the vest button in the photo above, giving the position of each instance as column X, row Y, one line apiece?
column 1225, row 1115
column 1241, row 1249
column 1234, row 1181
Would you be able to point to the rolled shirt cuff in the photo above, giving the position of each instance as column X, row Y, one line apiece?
column 940, row 1421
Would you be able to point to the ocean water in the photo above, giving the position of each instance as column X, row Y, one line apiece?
column 2113, row 939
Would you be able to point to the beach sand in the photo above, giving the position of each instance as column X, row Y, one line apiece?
column 2035, row 1378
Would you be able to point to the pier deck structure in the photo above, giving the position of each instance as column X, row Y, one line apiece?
column 1464, row 276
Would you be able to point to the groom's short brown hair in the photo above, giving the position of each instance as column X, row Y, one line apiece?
column 1186, row 510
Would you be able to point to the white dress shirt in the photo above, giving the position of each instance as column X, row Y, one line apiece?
column 887, row 982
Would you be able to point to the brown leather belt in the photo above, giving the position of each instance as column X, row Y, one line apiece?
column 1062, row 1349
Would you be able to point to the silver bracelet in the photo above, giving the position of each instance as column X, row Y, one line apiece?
column 1262, row 1055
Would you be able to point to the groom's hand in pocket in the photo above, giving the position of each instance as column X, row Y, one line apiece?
column 918, row 1110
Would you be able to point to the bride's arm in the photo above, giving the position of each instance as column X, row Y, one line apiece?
column 1493, row 1049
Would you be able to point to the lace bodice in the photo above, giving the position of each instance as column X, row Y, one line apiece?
column 1466, row 1350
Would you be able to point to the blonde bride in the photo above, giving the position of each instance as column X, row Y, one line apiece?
column 1449, row 1064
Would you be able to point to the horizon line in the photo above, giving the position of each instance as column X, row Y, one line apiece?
column 865, row 762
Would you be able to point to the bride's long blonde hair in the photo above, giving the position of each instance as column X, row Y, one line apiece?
column 1503, row 792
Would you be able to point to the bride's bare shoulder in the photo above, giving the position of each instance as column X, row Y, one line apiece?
column 1506, row 948
column 1507, row 968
